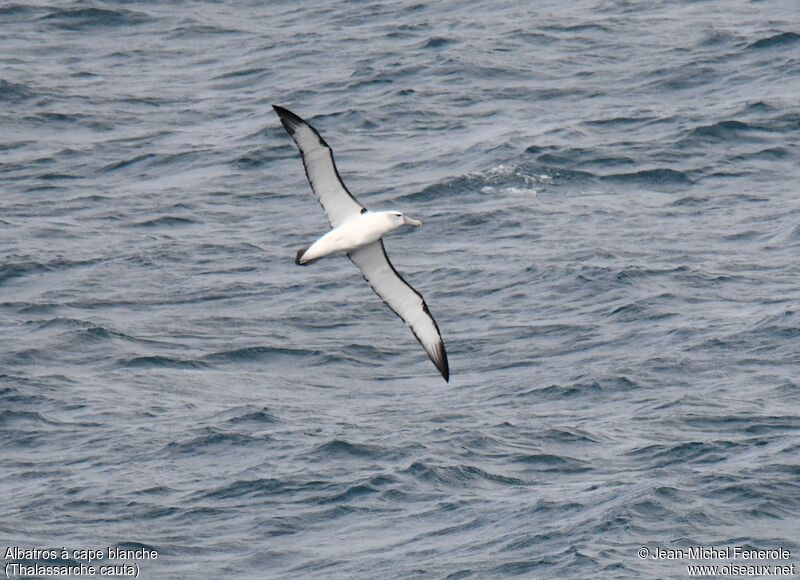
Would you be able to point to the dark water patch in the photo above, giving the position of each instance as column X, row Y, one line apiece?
column 254, row 159
column 157, row 490
column 26, row 267
column 754, row 492
column 341, row 448
column 482, row 443
column 769, row 154
column 684, row 77
column 81, row 329
column 662, row 455
column 87, row 200
column 361, row 353
column 351, row 494
column 164, row 221
column 260, row 417
column 788, row 316
column 197, row 29
column 522, row 567
column 8, row 417
column 67, row 121
column 14, row 395
column 449, row 530
column 718, row 39
column 14, row 9
column 17, row 269
column 619, row 121
column 633, row 309
column 769, row 425
column 457, row 475
column 645, row 309
column 652, row 177
column 721, row 131
column 259, row 354
column 573, row 157
column 161, row 361
column 781, row 40
column 59, row 176
column 213, row 441
column 649, row 508
column 438, row 42
column 633, row 274
column 266, row 488
column 747, row 235
column 15, row 92
column 128, row 162
column 568, row 436
column 151, row 161
column 93, row 18
column 582, row 27
column 537, row 150
column 758, row 107
column 690, row 201
column 546, row 462
column 247, row 72
column 582, row 389
column 788, row 122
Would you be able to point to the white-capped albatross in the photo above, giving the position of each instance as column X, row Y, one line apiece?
column 358, row 232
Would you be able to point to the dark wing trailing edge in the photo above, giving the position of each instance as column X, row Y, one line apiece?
column 338, row 203
column 406, row 302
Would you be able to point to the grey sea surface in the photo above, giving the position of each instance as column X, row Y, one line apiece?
column 611, row 248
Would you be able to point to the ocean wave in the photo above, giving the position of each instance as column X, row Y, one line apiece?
column 162, row 361
column 26, row 267
column 258, row 354
column 456, row 475
column 662, row 455
column 782, row 39
column 548, row 462
column 340, row 448
column 15, row 92
column 82, row 330
column 165, row 221
column 721, row 131
column 656, row 177
column 211, row 440
column 253, row 417
column 90, row 18
column 262, row 488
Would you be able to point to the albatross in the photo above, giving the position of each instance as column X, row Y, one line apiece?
column 358, row 233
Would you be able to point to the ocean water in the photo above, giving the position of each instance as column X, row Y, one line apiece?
column 611, row 245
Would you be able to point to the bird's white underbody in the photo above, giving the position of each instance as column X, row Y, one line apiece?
column 356, row 232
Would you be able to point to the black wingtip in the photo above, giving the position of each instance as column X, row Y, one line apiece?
column 300, row 253
column 442, row 363
column 288, row 119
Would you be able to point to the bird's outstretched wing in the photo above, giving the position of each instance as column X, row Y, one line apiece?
column 406, row 302
column 338, row 203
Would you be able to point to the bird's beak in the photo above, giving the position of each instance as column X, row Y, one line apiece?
column 409, row 222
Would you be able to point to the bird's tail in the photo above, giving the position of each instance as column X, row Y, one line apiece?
column 299, row 257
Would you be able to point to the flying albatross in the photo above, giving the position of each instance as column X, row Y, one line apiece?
column 358, row 232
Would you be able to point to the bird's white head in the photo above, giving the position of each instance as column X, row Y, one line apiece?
column 399, row 219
